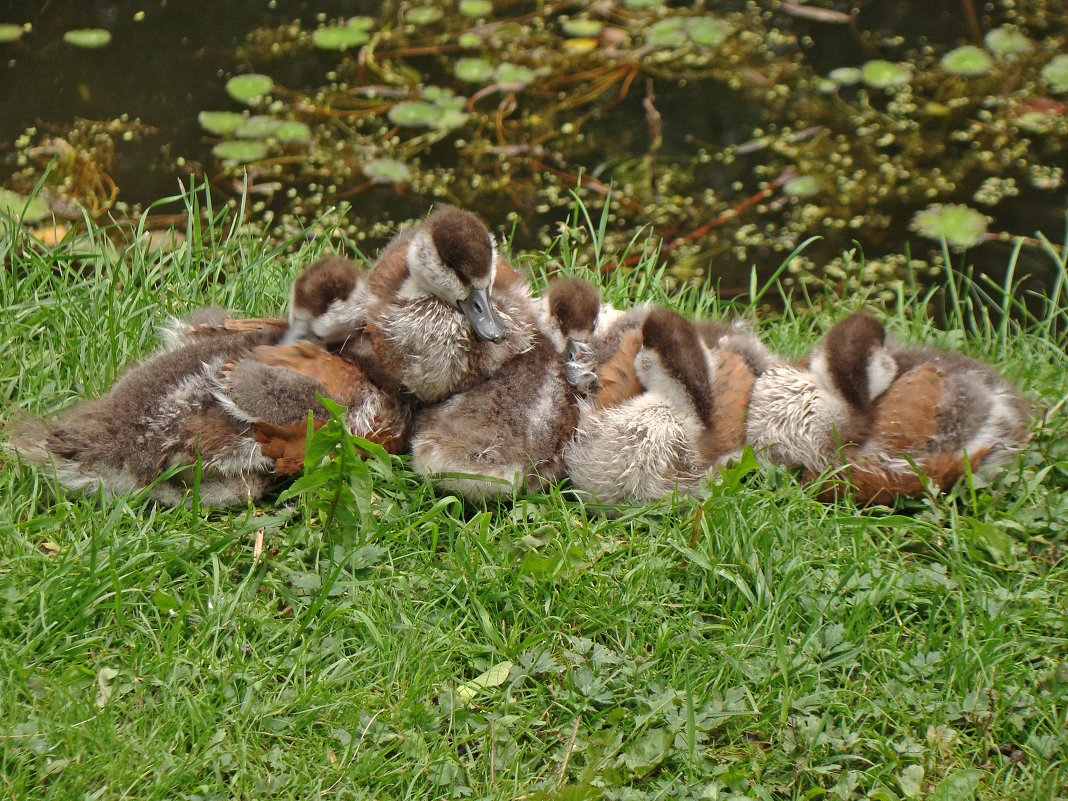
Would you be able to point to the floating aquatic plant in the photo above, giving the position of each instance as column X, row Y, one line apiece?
column 220, row 123
column 802, row 186
column 475, row 8
column 423, row 15
column 25, row 210
column 508, row 72
column 1056, row 73
column 249, row 88
column 88, row 37
column 388, row 171
column 582, row 28
column 291, row 131
column 707, row 31
column 845, row 76
column 1006, row 41
column 240, row 151
column 9, row 33
column 967, row 60
column 473, row 70
column 340, row 37
column 961, row 226
column 257, row 127
column 880, row 74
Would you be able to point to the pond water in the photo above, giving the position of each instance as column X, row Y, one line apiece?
column 732, row 130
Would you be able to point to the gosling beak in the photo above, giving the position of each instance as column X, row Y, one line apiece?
column 479, row 311
column 298, row 329
column 576, row 368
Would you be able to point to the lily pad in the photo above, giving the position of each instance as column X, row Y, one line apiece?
column 292, row 131
column 879, row 74
column 388, row 171
column 258, row 127
column 1056, row 72
column 248, row 88
column 707, row 31
column 88, row 37
column 669, row 32
column 1006, row 41
column 220, row 123
column 240, row 151
column 845, row 76
column 415, row 114
column 967, row 60
column 340, row 37
column 960, row 226
column 451, row 118
column 507, row 72
column 26, row 211
column 475, row 8
column 473, row 70
column 802, row 186
column 9, row 33
column 423, row 15
column 582, row 28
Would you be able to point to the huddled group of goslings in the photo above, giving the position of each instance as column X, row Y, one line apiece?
column 441, row 351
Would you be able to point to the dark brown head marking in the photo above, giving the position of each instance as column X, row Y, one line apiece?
column 329, row 279
column 463, row 243
column 676, row 341
column 848, row 349
column 574, row 304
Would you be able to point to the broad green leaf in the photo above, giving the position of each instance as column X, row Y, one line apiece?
column 340, row 37
column 879, row 74
column 388, row 171
column 473, row 70
column 26, row 211
column 967, row 60
column 220, row 123
column 257, row 127
column 958, row 786
column 240, row 151
column 248, row 88
column 475, row 8
column 910, row 780
column 88, row 37
column 9, row 33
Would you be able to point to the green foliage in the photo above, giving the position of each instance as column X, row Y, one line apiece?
column 360, row 637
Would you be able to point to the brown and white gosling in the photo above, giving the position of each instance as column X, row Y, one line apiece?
column 584, row 328
column 801, row 414
column 942, row 412
column 649, row 445
column 163, row 414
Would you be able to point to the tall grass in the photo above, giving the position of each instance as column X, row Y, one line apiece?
column 758, row 645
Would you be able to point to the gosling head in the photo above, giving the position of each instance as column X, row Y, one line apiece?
column 673, row 362
column 573, row 306
column 452, row 256
column 319, row 292
column 855, row 359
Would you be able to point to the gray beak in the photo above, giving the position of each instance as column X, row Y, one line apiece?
column 298, row 330
column 577, row 370
column 479, row 311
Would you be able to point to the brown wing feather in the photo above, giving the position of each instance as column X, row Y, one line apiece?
column 905, row 415
column 732, row 387
column 616, row 377
column 337, row 376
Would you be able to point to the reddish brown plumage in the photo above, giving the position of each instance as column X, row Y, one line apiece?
column 338, row 376
column 616, row 378
column 732, row 387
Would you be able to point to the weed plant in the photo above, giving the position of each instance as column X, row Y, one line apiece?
column 361, row 636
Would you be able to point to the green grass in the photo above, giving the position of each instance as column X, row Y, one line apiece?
column 793, row 650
